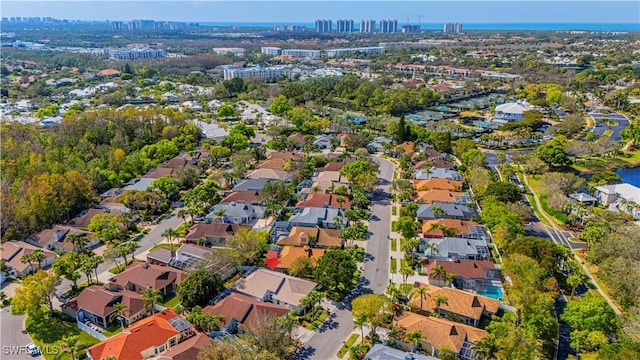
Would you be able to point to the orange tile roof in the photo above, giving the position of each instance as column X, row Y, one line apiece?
column 109, row 72
column 323, row 237
column 458, row 302
column 432, row 196
column 468, row 269
column 242, row 308
column 144, row 334
column 274, row 163
column 461, row 226
column 437, row 184
column 290, row 254
column 188, row 349
column 319, row 200
column 407, row 146
column 439, row 333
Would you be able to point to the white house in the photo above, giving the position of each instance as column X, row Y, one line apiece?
column 623, row 197
column 511, row 111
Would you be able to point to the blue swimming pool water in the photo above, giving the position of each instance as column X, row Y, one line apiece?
column 494, row 292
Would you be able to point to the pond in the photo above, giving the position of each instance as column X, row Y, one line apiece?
column 630, row 176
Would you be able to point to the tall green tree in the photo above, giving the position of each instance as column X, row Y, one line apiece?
column 336, row 272
column 198, row 288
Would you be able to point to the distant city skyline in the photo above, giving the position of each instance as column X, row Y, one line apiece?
column 475, row 11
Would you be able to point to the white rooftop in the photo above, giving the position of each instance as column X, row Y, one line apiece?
column 624, row 191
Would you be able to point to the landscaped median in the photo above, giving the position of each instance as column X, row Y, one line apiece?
column 347, row 345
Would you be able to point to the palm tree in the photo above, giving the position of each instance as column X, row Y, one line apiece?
column 359, row 323
column 422, row 291
column 70, row 345
column 406, row 271
column 438, row 272
column 438, row 212
column 340, row 201
column 393, row 291
column 170, row 233
column 78, row 241
column 28, row 258
column 450, row 278
column 182, row 213
column 38, row 256
column 150, row 298
column 310, row 300
column 439, row 300
column 432, row 248
column 486, row 347
column 120, row 310
column 413, row 337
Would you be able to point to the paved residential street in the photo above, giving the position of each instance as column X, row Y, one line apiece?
column 329, row 338
column 12, row 338
column 154, row 237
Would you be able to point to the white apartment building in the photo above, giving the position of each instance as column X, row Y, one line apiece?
column 135, row 53
column 347, row 51
column 229, row 50
column 261, row 73
column 271, row 51
column 302, row 53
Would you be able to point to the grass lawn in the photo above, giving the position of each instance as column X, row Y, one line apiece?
column 594, row 164
column 171, row 302
column 535, row 185
column 112, row 330
column 393, row 263
column 50, row 331
column 172, row 247
column 120, row 268
column 347, row 345
column 394, row 244
column 233, row 279
column 183, row 228
column 394, row 210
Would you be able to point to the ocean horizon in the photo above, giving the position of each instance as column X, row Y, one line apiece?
column 465, row 26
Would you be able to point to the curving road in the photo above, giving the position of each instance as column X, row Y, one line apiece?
column 12, row 338
column 328, row 339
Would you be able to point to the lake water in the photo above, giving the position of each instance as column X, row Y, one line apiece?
column 631, row 176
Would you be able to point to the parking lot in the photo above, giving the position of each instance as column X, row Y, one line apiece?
column 621, row 122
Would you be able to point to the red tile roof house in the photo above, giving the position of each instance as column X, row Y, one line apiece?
column 188, row 349
column 96, row 304
column 140, row 276
column 239, row 310
column 58, row 238
column 12, row 251
column 470, row 275
column 320, row 200
column 215, row 234
column 275, row 287
column 145, row 339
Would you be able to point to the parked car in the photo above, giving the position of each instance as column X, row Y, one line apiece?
column 32, row 349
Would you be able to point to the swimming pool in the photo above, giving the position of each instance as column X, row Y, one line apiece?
column 494, row 292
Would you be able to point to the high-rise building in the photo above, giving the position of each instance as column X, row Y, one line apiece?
column 388, row 26
column 323, row 25
column 452, row 28
column 117, row 25
column 410, row 29
column 367, row 26
column 344, row 26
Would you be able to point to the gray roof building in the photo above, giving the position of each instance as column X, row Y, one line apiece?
column 323, row 217
column 236, row 213
column 462, row 248
column 251, row 184
column 383, row 352
column 438, row 173
column 451, row 211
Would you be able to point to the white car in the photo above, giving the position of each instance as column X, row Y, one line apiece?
column 32, row 349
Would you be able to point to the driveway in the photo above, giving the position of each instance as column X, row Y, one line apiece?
column 154, row 237
column 330, row 337
column 12, row 338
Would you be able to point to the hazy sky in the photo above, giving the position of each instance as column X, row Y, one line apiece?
column 470, row 11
